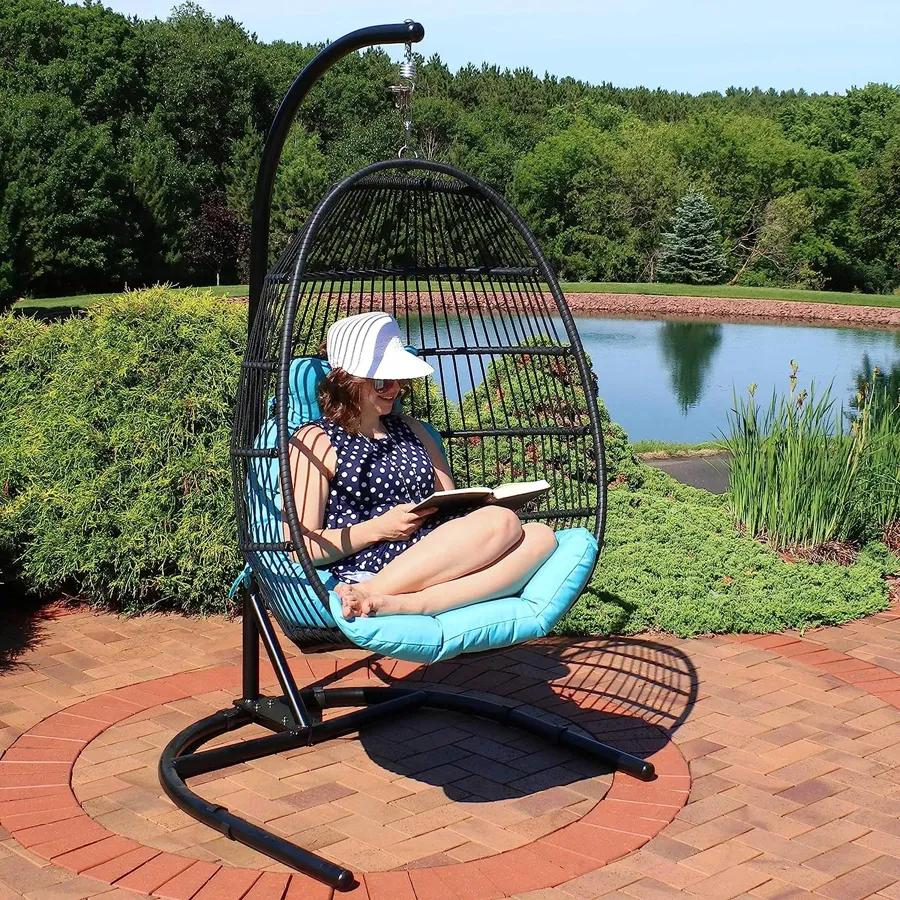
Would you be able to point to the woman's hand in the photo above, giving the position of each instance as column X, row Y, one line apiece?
column 399, row 524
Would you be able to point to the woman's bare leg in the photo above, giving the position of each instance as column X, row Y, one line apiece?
column 507, row 575
column 450, row 551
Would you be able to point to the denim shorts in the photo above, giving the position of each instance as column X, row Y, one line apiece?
column 355, row 577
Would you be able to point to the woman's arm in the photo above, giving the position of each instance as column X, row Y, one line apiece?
column 313, row 462
column 443, row 480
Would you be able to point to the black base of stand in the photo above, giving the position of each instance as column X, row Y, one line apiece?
column 297, row 722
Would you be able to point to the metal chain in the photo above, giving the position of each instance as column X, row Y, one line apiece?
column 403, row 101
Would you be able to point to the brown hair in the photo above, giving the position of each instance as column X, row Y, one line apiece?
column 340, row 396
column 339, row 399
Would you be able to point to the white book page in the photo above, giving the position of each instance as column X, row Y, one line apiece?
column 516, row 488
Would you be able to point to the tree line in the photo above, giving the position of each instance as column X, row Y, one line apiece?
column 129, row 148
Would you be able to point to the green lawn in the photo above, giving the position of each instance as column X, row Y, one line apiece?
column 83, row 300
column 585, row 287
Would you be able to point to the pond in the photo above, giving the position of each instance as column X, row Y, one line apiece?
column 673, row 380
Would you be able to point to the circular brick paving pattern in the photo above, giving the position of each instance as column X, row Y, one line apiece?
column 792, row 742
column 451, row 799
column 432, row 789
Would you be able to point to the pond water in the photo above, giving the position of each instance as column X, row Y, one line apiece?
column 673, row 380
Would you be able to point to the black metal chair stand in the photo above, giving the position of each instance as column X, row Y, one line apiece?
column 295, row 717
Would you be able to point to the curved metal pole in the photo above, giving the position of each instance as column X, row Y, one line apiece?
column 405, row 32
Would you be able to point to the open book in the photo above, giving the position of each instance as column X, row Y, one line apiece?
column 513, row 496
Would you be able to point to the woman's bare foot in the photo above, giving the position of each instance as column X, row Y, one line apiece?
column 351, row 600
column 356, row 602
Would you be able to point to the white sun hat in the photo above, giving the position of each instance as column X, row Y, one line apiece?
column 369, row 346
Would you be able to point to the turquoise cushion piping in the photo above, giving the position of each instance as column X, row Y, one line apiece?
column 481, row 626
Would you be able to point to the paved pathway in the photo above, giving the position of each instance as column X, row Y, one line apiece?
column 778, row 757
column 707, row 472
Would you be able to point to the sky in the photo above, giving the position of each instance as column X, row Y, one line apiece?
column 818, row 45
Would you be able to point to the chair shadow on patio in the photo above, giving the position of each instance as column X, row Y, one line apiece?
column 434, row 788
column 632, row 694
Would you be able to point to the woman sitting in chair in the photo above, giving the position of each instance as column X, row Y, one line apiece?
column 359, row 469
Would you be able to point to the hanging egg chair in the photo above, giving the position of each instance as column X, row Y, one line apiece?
column 512, row 399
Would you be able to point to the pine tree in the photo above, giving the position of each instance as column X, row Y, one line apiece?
column 691, row 253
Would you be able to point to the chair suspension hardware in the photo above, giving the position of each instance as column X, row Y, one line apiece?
column 403, row 100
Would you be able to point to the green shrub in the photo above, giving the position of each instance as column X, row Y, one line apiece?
column 674, row 562
column 532, row 392
column 25, row 357
column 114, row 449
column 115, row 482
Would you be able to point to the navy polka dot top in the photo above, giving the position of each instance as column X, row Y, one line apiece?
column 373, row 476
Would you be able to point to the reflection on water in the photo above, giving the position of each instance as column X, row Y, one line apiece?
column 688, row 348
column 673, row 380
column 886, row 382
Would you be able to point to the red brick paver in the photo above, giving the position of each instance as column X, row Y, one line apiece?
column 794, row 781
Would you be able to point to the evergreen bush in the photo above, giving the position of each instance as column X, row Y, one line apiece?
column 691, row 253
column 114, row 433
column 114, row 439
column 673, row 561
column 537, row 390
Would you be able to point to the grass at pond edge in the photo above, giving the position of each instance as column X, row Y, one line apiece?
column 674, row 562
column 726, row 292
column 653, row 449
column 586, row 287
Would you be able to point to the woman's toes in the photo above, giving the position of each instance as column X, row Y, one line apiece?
column 355, row 602
column 370, row 605
column 350, row 610
column 350, row 601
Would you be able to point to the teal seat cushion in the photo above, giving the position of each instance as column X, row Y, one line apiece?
column 481, row 626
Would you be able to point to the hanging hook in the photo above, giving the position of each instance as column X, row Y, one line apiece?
column 403, row 100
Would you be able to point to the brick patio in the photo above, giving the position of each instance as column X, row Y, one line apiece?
column 778, row 762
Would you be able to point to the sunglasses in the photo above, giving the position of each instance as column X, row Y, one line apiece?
column 381, row 383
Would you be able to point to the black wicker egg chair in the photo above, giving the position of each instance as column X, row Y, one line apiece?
column 512, row 398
